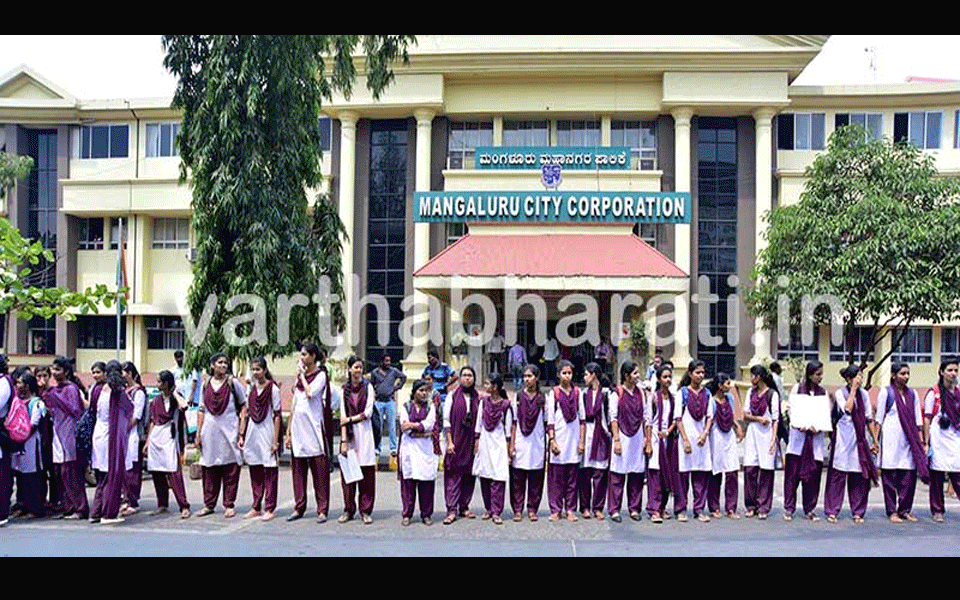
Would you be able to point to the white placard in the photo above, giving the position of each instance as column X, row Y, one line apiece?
column 350, row 467
column 810, row 411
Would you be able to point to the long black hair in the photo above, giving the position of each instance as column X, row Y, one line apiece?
column 115, row 378
column 812, row 367
column 262, row 363
column 693, row 366
column 67, row 365
column 30, row 381
column 716, row 382
column 765, row 376
column 131, row 368
column 497, row 380
column 895, row 368
column 626, row 369
column 944, row 363
column 596, row 371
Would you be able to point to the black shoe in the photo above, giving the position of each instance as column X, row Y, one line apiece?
column 294, row 516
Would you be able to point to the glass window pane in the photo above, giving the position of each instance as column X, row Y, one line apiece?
column 802, row 137
column 933, row 130
column 175, row 131
column 99, row 141
column 153, row 139
column 875, row 126
column 816, row 133
column 84, row 142
column 165, row 140
column 119, row 140
column 916, row 129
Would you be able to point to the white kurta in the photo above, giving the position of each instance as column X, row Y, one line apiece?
column 658, row 423
column 797, row 437
column 363, row 433
column 631, row 458
column 756, row 441
column 258, row 443
column 492, row 460
column 566, row 434
column 139, row 399
column 163, row 451
column 601, row 422
column 417, row 460
column 100, row 456
column 30, row 461
column 845, row 456
column 723, row 446
column 306, row 419
column 220, row 433
column 895, row 450
column 944, row 443
column 700, row 458
column 529, row 448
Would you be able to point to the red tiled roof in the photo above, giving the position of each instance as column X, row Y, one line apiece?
column 555, row 255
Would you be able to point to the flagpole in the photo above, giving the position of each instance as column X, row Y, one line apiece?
column 119, row 266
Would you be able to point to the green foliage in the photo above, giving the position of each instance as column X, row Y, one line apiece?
column 327, row 232
column 639, row 345
column 876, row 227
column 12, row 168
column 250, row 140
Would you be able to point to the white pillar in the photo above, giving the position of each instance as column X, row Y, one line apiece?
column 421, row 231
column 347, row 176
column 681, row 120
column 764, row 134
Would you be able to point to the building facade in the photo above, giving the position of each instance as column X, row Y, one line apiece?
column 713, row 120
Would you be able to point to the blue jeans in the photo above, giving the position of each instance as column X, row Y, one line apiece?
column 385, row 409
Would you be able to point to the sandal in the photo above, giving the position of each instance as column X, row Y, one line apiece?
column 485, row 516
column 344, row 518
column 703, row 518
column 733, row 515
column 635, row 516
column 497, row 520
column 615, row 517
column 895, row 518
column 938, row 518
column 585, row 514
column 656, row 518
column 831, row 518
column 468, row 515
column 449, row 519
column 682, row 518
column 716, row 514
column 762, row 516
column 571, row 516
column 553, row 517
column 533, row 517
column 405, row 522
column 517, row 517
column 858, row 520
column 750, row 514
column 367, row 519
column 598, row 515
column 812, row 517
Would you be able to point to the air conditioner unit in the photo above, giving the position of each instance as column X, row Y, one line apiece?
column 192, row 255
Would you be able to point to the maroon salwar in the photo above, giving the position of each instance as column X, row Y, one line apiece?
column 106, row 499
column 458, row 491
column 700, row 481
column 792, row 480
column 264, row 482
column 634, row 485
column 858, row 487
column 410, row 489
column 164, row 482
column 757, row 490
column 731, row 489
column 367, row 492
column 899, row 488
column 493, row 493
column 593, row 488
column 74, row 488
column 6, row 482
column 133, row 485
column 562, row 487
column 29, row 497
column 526, row 484
column 213, row 477
column 319, row 467
column 937, row 506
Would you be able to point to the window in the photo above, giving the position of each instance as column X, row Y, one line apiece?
column 922, row 129
column 956, row 129
column 42, row 335
column 104, row 141
column 916, row 346
column 872, row 122
column 165, row 333
column 115, row 232
column 578, row 133
column 863, row 342
column 100, row 333
column 949, row 342
column 796, row 348
column 91, row 234
column 526, row 133
column 171, row 234
column 161, row 139
column 463, row 141
column 646, row 232
column 800, row 131
column 326, row 134
column 455, row 231
column 641, row 138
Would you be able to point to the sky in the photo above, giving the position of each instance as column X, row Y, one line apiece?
column 131, row 66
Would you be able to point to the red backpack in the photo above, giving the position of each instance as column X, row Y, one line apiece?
column 17, row 422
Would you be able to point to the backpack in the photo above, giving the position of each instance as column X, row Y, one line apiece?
column 143, row 420
column 17, row 422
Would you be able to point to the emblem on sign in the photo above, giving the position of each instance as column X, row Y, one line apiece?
column 550, row 175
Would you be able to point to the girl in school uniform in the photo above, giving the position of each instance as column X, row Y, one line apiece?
column 460, row 411
column 725, row 434
column 898, row 423
column 760, row 443
column 134, row 481
column 260, row 440
column 218, row 429
column 491, row 449
column 566, row 431
column 51, row 487
column 597, row 441
column 166, row 439
column 356, row 433
column 65, row 401
column 852, row 462
column 941, row 422
column 528, row 446
column 417, row 470
column 662, row 474
column 111, row 404
column 695, row 463
column 631, row 443
column 28, row 464
column 309, row 434
column 804, row 460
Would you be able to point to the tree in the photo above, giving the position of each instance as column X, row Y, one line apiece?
column 250, row 140
column 22, row 293
column 876, row 228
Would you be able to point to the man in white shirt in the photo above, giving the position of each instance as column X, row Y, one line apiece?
column 550, row 354
column 495, row 348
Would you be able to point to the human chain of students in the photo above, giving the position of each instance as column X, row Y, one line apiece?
column 592, row 443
